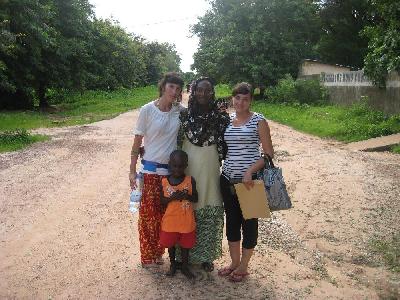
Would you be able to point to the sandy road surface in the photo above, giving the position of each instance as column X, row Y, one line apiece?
column 66, row 232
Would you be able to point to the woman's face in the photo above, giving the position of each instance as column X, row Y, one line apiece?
column 204, row 92
column 241, row 102
column 171, row 91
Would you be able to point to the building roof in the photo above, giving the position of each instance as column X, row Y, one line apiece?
column 324, row 63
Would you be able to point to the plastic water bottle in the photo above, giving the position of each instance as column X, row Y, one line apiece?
column 136, row 194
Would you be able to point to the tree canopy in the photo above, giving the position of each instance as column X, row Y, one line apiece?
column 383, row 53
column 60, row 44
column 258, row 41
column 341, row 24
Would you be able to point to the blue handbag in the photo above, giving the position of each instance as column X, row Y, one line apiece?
column 278, row 197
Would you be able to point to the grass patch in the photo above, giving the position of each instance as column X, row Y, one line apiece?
column 348, row 124
column 396, row 149
column 17, row 139
column 72, row 109
column 389, row 250
column 76, row 109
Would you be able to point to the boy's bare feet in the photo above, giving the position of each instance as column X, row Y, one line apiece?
column 172, row 270
column 186, row 271
column 207, row 266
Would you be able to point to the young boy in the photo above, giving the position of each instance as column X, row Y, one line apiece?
column 178, row 224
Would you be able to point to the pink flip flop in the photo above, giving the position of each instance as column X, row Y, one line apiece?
column 237, row 277
column 225, row 271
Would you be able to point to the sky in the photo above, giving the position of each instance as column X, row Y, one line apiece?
column 158, row 20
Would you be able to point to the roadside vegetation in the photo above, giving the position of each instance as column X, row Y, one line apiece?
column 72, row 109
column 389, row 250
column 396, row 149
column 13, row 140
column 303, row 105
column 75, row 109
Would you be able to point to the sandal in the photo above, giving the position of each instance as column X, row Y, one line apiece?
column 237, row 277
column 148, row 265
column 207, row 266
column 159, row 261
column 225, row 271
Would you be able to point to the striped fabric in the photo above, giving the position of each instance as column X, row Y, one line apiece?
column 243, row 147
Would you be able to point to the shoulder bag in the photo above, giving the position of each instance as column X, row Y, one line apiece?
column 278, row 197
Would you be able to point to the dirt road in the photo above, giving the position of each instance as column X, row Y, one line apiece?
column 66, row 231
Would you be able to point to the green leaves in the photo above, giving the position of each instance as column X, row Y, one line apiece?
column 59, row 44
column 257, row 41
column 341, row 23
column 384, row 41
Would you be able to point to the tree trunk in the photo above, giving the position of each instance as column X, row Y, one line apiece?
column 262, row 92
column 43, row 104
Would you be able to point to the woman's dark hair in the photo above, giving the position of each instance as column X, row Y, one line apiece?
column 192, row 101
column 243, row 88
column 170, row 77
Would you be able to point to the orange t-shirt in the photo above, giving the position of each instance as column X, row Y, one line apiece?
column 179, row 215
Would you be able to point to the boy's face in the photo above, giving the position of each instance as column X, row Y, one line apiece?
column 177, row 166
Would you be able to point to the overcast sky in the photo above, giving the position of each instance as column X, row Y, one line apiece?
column 158, row 20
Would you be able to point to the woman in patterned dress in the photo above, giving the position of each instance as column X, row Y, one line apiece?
column 157, row 127
column 201, row 137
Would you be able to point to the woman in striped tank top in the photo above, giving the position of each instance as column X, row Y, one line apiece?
column 243, row 137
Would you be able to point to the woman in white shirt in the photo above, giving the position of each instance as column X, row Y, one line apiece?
column 157, row 127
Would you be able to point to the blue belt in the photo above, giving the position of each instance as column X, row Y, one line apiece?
column 152, row 165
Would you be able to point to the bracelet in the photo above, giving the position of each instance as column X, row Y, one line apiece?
column 134, row 152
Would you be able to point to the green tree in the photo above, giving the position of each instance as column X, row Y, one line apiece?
column 383, row 53
column 44, row 36
column 162, row 58
column 60, row 45
column 257, row 41
column 342, row 22
column 188, row 77
column 73, row 22
column 119, row 58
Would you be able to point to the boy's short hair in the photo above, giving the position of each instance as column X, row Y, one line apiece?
column 243, row 88
column 170, row 77
column 179, row 153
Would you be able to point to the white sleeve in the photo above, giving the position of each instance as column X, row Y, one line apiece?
column 141, row 122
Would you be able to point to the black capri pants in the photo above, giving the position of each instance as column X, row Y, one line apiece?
column 234, row 218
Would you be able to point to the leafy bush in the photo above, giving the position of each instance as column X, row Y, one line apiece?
column 11, row 136
column 310, row 92
column 389, row 249
column 12, row 140
column 396, row 149
column 284, row 91
column 298, row 91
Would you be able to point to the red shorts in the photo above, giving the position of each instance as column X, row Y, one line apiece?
column 185, row 240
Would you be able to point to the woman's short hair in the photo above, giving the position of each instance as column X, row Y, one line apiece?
column 243, row 88
column 171, row 77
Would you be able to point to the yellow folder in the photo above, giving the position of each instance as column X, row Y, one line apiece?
column 253, row 202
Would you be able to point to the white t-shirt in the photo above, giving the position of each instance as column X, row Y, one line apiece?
column 159, row 130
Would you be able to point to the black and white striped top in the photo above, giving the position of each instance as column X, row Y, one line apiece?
column 243, row 146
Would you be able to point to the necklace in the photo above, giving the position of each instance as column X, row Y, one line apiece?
column 243, row 121
column 157, row 104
